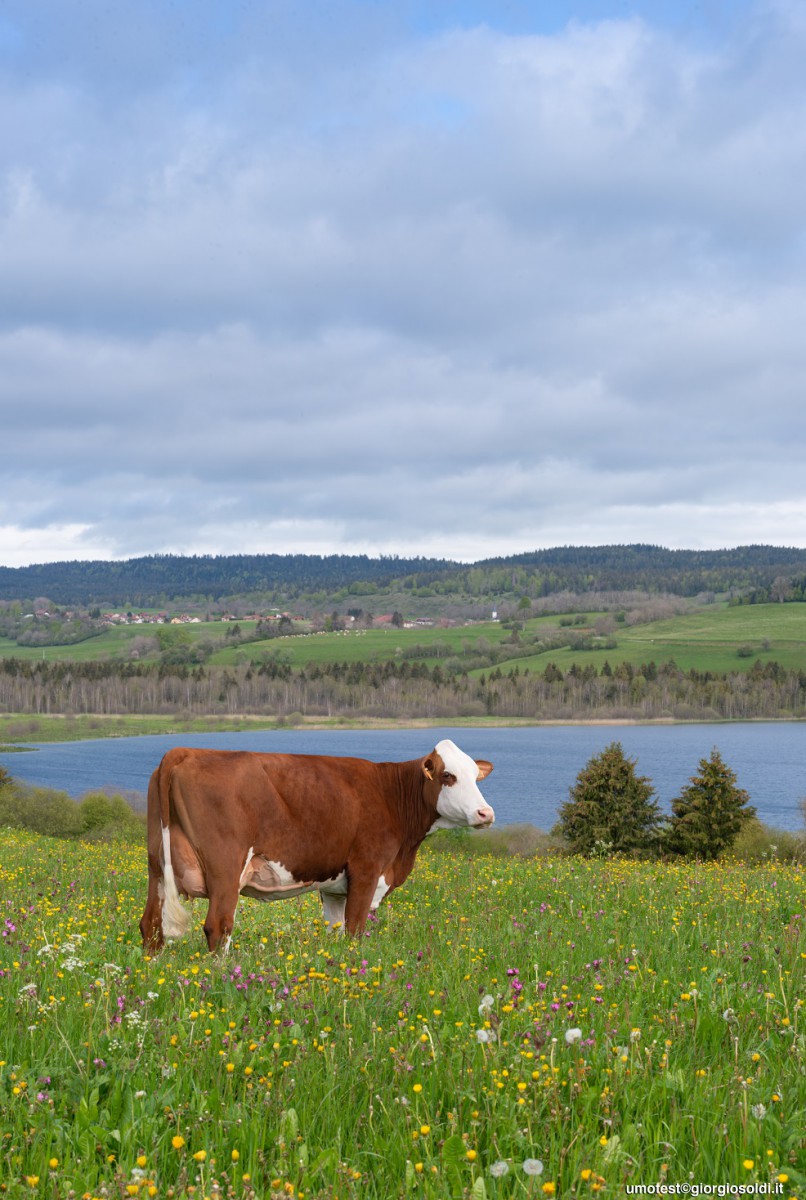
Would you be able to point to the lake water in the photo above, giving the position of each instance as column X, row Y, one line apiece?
column 534, row 767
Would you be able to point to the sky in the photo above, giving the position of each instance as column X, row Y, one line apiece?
column 445, row 277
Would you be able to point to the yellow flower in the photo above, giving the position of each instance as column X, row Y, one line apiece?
column 748, row 1164
column 782, row 1178
column 471, row 1154
column 142, row 1160
column 132, row 1189
column 53, row 1163
column 235, row 1156
column 177, row 1141
column 424, row 1129
column 549, row 1188
column 32, row 1180
column 418, row 1168
column 200, row 1155
column 418, row 1087
column 585, row 1174
column 230, row 1068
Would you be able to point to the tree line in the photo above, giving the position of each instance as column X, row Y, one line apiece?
column 401, row 689
column 155, row 580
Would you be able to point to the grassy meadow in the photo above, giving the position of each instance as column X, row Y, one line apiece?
column 508, row 1027
column 706, row 639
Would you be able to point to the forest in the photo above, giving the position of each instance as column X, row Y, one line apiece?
column 758, row 572
column 403, row 690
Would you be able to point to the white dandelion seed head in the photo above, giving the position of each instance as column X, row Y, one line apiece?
column 573, row 1035
column 499, row 1169
column 533, row 1166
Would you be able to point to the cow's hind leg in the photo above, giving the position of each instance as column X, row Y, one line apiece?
column 220, row 917
column 151, row 922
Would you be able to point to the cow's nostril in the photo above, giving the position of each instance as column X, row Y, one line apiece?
column 485, row 815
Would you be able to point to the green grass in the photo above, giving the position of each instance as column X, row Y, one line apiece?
column 415, row 1061
column 706, row 640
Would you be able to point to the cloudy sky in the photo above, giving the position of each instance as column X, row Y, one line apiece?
column 453, row 277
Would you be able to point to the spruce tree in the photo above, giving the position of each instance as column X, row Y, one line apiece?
column 709, row 813
column 610, row 809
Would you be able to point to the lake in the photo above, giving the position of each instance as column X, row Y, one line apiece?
column 534, row 767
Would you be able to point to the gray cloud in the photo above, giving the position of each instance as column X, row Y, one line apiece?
column 455, row 291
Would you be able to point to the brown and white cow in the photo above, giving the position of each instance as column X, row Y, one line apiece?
column 225, row 823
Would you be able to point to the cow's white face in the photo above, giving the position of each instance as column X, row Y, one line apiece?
column 460, row 803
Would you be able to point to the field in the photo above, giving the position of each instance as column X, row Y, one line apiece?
column 706, row 639
column 507, row 1027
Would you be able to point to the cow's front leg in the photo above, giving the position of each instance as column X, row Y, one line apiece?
column 361, row 894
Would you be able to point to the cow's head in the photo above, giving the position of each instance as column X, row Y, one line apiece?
column 459, row 801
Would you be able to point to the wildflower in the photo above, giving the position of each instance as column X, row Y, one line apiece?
column 499, row 1169
column 425, row 1129
column 53, row 1163
column 418, row 1087
column 549, row 1188
column 748, row 1164
column 177, row 1141
column 758, row 1110
column 200, row 1155
column 533, row 1166
column 471, row 1155
column 484, row 1036
column 235, row 1156
column 142, row 1160
column 572, row 1035
column 486, row 1004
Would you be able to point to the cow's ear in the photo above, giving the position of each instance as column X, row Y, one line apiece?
column 428, row 768
column 484, row 768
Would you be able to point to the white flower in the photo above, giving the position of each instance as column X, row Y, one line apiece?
column 729, row 1015
column 485, row 1036
column 573, row 1035
column 499, row 1169
column 486, row 1004
column 153, row 995
column 635, row 1035
column 758, row 1110
column 533, row 1166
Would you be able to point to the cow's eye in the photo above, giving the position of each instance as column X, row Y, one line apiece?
column 448, row 779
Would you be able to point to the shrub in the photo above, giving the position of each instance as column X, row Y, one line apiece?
column 39, row 809
column 521, row 841
column 709, row 813
column 610, row 806
column 105, row 817
column 46, row 811
column 757, row 842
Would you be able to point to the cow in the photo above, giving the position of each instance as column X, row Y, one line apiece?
column 226, row 823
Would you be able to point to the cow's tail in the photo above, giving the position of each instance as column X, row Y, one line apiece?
column 175, row 917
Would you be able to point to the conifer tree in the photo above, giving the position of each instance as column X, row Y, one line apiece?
column 709, row 813
column 610, row 809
